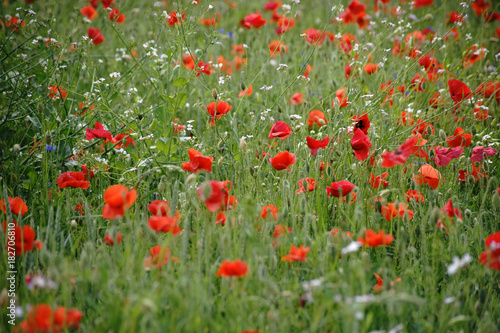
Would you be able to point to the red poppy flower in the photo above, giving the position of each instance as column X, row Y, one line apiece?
column 480, row 7
column 203, row 67
column 118, row 199
column 297, row 254
column 273, row 210
column 209, row 22
column 89, row 12
column 340, row 189
column 41, row 318
column 160, row 256
column 232, row 268
column 56, row 92
column 72, row 179
column 277, row 48
column 162, row 208
column 284, row 24
column 217, row 110
column 115, row 15
column 362, row 122
column 371, row 68
column 361, row 145
column 459, row 91
column 246, row 92
column 280, row 130
column 272, row 5
column 189, row 61
column 280, row 230
column 479, row 153
column 210, row 192
column 95, row 35
column 315, row 145
column 175, row 18
column 400, row 155
column 306, row 185
column 17, row 205
column 197, row 162
column 375, row 182
column 391, row 211
column 296, row 99
column 109, row 240
column 444, row 156
column 128, row 140
column 98, row 132
column 88, row 174
column 221, row 218
column 379, row 286
column 476, row 173
column 341, row 95
column 14, row 23
column 414, row 195
column 459, row 138
column 374, row 239
column 307, row 71
column 105, row 3
column 491, row 257
column 24, row 238
column 254, row 20
column 164, row 224
column 427, row 174
column 448, row 214
column 316, row 117
column 314, row 36
column 282, row 160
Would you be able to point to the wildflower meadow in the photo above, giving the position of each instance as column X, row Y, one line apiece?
column 250, row 166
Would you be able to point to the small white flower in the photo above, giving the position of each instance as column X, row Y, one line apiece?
column 352, row 247
column 458, row 263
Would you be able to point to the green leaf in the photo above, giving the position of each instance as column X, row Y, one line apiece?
column 180, row 82
column 180, row 100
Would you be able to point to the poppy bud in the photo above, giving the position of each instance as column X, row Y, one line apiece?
column 329, row 173
column 39, row 108
column 4, row 298
column 243, row 145
column 190, row 179
column 428, row 17
column 148, row 306
column 74, row 224
column 434, row 215
column 429, row 130
column 486, row 167
column 384, row 193
column 17, row 148
column 321, row 122
column 353, row 166
column 297, row 128
column 303, row 204
column 468, row 213
column 121, row 180
column 153, row 125
column 243, row 87
column 219, row 162
column 442, row 135
column 214, row 93
column 161, row 187
column 470, row 179
column 495, row 201
column 431, row 154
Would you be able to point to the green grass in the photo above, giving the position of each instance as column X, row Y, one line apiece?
column 111, row 286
